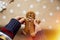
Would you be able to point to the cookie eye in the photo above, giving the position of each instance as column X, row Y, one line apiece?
column 29, row 14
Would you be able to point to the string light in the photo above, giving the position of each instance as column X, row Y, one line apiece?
column 43, row 20
column 57, row 8
column 31, row 6
column 11, row 10
column 18, row 5
column 49, row 27
column 51, row 14
column 24, row 11
column 57, row 21
column 44, row 6
column 37, row 12
column 4, row 17
column 51, row 1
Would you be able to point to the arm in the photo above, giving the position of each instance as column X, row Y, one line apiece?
column 10, row 30
column 37, row 27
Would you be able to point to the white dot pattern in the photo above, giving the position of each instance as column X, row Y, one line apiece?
column 57, row 21
column 31, row 6
column 48, row 10
column 43, row 20
column 11, row 10
column 18, row 5
column 49, row 27
column 57, row 8
column 4, row 17
column 44, row 6
column 51, row 1
column 51, row 14
column 37, row 12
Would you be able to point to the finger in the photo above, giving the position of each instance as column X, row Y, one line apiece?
column 22, row 20
column 18, row 18
column 38, row 21
column 35, row 21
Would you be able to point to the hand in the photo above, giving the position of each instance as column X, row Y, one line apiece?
column 36, row 22
column 20, row 19
column 37, row 26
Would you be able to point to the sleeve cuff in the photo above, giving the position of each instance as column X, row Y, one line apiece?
column 12, row 27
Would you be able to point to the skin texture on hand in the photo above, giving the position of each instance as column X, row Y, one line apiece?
column 20, row 19
column 36, row 23
column 37, row 26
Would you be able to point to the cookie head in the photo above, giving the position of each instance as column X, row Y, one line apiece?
column 30, row 14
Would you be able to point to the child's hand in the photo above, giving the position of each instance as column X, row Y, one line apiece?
column 37, row 27
column 36, row 22
column 20, row 19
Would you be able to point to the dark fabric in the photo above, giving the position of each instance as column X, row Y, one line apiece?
column 7, row 32
column 11, row 28
column 1, row 39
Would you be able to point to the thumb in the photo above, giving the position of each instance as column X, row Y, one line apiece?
column 21, row 20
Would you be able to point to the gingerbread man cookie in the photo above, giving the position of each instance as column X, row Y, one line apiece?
column 29, row 24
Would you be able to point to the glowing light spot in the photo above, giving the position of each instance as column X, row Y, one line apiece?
column 51, row 14
column 57, row 8
column 44, row 6
column 43, row 20
column 51, row 1
column 4, row 17
column 24, row 11
column 31, row 6
column 1, row 9
column 57, row 21
column 50, row 27
column 11, row 10
column 37, row 12
column 38, row 0
column 18, row 5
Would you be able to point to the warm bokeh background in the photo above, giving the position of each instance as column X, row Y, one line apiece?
column 48, row 11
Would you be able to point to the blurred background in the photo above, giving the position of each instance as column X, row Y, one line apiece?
column 48, row 11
